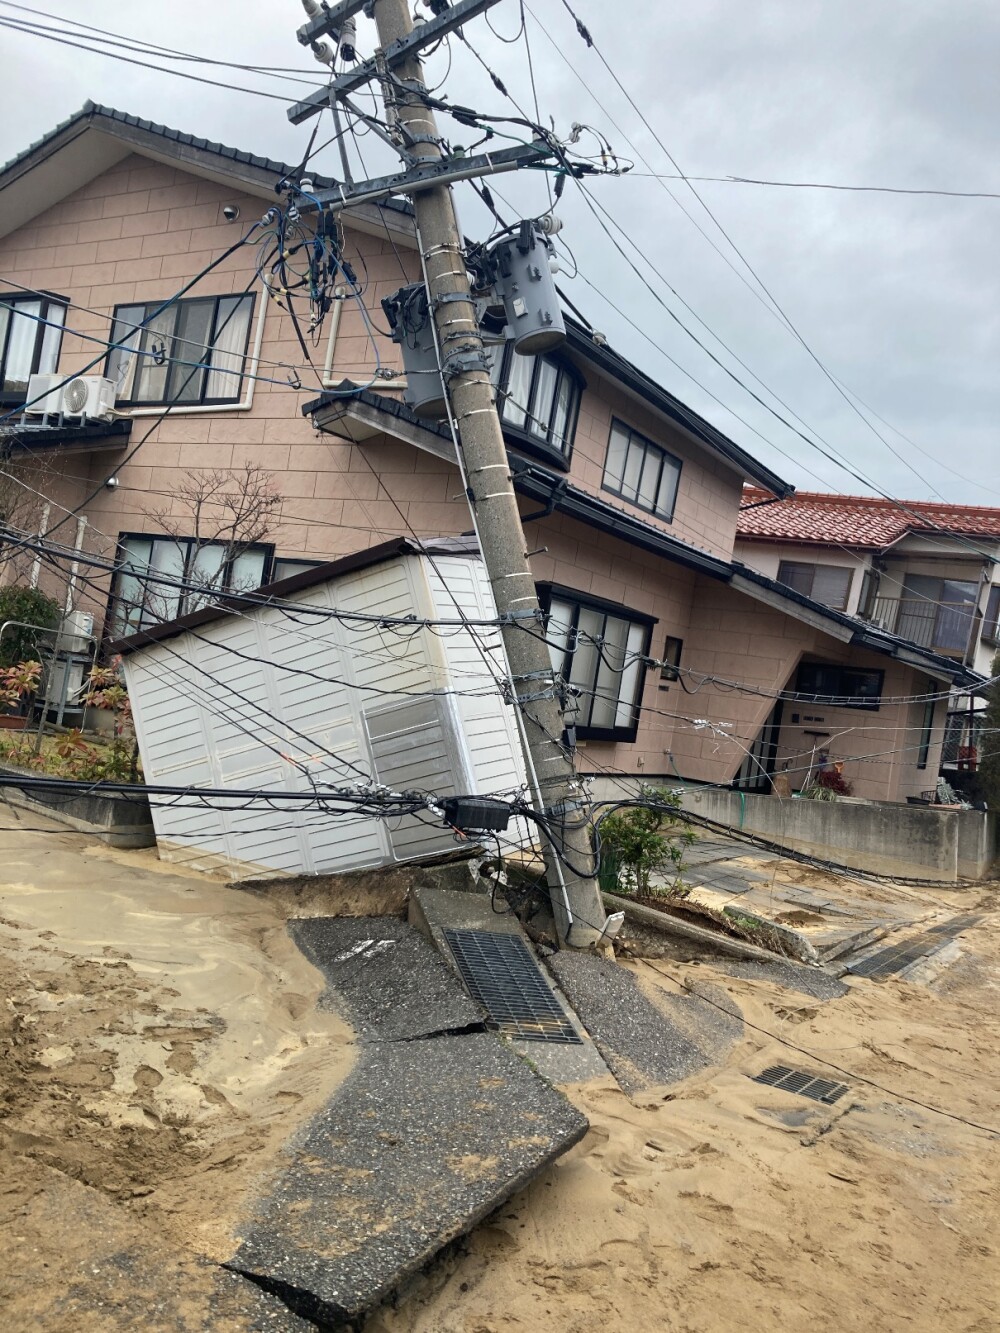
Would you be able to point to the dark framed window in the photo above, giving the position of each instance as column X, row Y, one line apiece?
column 161, row 578
column 539, row 400
column 672, row 649
column 936, row 613
column 598, row 648
column 991, row 625
column 640, row 471
column 926, row 726
column 193, row 352
column 839, row 686
column 285, row 568
column 829, row 584
column 31, row 326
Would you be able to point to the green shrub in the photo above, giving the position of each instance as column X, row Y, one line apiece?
column 31, row 607
column 640, row 841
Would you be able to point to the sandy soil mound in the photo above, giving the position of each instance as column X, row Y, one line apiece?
column 159, row 1037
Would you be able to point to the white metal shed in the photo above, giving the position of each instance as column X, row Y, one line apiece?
column 242, row 695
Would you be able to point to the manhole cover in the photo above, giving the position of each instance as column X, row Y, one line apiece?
column 503, row 977
column 801, row 1083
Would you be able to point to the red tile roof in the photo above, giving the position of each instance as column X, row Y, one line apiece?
column 812, row 517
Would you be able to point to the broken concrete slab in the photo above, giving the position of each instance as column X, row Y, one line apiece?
column 113, row 1273
column 435, row 1127
column 642, row 1042
column 435, row 911
column 709, row 940
column 421, row 1141
column 384, row 978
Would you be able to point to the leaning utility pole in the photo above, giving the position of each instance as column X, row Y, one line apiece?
column 559, row 793
column 576, row 897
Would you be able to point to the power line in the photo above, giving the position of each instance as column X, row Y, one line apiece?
column 142, row 46
column 786, row 320
column 35, row 30
column 821, row 185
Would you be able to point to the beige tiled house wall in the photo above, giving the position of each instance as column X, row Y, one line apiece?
column 739, row 639
column 708, row 494
column 136, row 234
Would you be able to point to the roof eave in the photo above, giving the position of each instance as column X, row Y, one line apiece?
column 682, row 417
column 101, row 137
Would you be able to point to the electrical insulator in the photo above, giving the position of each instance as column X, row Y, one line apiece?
column 412, row 327
column 524, row 282
column 348, row 40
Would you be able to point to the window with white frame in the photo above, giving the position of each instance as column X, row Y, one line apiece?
column 191, row 353
column 829, row 584
column 599, row 649
column 640, row 471
column 538, row 397
column 160, row 578
column 31, row 326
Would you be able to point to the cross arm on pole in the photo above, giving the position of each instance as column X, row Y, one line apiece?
column 429, row 174
column 395, row 53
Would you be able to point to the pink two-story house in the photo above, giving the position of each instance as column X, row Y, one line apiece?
column 630, row 499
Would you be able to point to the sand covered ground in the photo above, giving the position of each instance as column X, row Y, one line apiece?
column 159, row 1037
column 159, row 1041
column 721, row 1204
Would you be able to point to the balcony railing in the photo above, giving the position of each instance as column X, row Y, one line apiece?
column 943, row 627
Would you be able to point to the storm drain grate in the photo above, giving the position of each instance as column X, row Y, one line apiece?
column 887, row 962
column 955, row 926
column 801, row 1083
column 503, row 978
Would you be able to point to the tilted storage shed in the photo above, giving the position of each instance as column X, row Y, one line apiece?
column 248, row 695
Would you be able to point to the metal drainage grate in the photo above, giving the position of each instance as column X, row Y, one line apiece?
column 805, row 1085
column 955, row 925
column 503, row 978
column 887, row 962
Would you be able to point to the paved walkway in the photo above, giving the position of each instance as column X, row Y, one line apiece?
column 834, row 915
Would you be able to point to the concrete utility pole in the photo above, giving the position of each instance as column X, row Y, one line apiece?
column 576, row 898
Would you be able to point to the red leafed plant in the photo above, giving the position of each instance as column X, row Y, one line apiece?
column 16, row 681
column 832, row 779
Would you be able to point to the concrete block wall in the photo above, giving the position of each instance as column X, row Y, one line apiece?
column 919, row 842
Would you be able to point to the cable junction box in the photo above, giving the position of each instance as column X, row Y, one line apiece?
column 476, row 814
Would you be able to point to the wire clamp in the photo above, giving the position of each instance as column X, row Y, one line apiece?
column 462, row 363
column 550, row 693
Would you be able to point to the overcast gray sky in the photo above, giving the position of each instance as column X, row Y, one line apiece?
column 896, row 295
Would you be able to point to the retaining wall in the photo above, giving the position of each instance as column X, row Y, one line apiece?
column 121, row 820
column 908, row 841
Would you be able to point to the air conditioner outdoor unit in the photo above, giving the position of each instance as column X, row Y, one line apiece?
column 88, row 396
